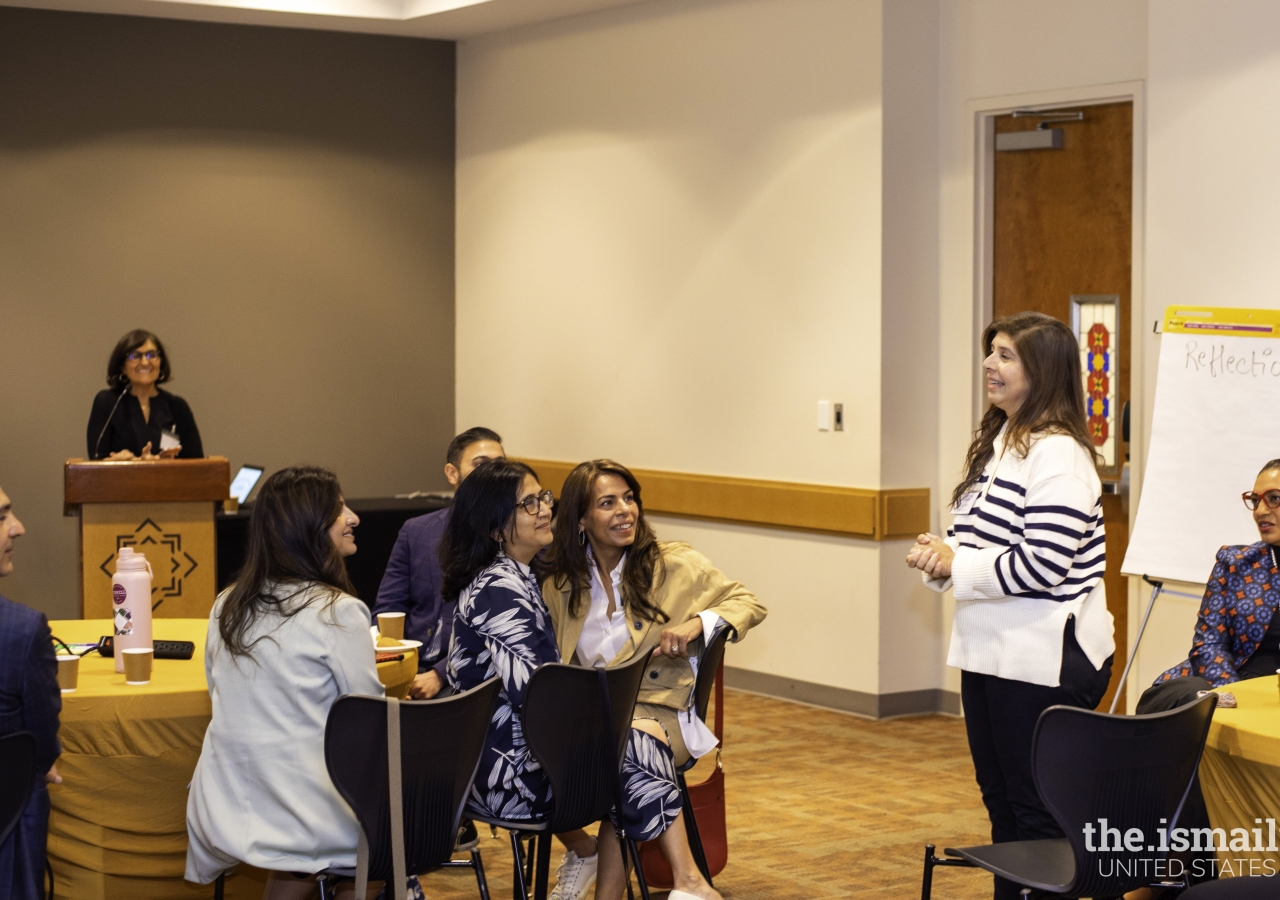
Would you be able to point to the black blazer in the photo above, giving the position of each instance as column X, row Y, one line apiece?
column 127, row 430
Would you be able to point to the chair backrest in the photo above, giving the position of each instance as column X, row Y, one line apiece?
column 17, row 777
column 440, row 746
column 565, row 726
column 708, row 664
column 1133, row 771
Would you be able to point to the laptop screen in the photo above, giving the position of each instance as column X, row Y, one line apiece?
column 243, row 484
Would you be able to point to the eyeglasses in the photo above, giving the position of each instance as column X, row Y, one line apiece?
column 531, row 503
column 149, row 356
column 1251, row 500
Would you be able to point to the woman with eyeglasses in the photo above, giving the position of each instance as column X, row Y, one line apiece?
column 616, row 592
column 134, row 418
column 1238, row 632
column 1237, row 635
column 501, row 521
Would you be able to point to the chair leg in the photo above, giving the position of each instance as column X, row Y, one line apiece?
column 478, row 864
column 534, row 841
column 541, row 872
column 634, row 850
column 219, row 886
column 926, row 887
column 323, row 883
column 519, row 887
column 932, row 862
column 691, row 827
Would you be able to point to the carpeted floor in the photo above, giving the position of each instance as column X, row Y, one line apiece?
column 820, row 805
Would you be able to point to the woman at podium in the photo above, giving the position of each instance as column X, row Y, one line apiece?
column 134, row 418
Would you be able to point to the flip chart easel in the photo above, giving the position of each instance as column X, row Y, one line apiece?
column 1216, row 421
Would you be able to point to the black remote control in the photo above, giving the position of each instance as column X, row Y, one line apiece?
column 163, row 649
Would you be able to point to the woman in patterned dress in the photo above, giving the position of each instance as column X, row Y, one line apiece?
column 501, row 520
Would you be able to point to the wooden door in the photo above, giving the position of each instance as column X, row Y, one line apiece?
column 1063, row 228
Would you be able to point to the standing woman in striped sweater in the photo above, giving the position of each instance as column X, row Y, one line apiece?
column 1025, row 555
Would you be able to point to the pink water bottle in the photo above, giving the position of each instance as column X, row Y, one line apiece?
column 131, row 602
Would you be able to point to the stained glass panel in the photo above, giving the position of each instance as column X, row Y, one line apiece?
column 1095, row 321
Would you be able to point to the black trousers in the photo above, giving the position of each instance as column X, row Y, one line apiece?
column 1000, row 718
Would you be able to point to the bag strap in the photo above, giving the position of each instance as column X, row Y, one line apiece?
column 394, row 783
column 719, row 729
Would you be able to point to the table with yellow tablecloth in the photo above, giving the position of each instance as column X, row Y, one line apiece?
column 1240, row 774
column 118, row 823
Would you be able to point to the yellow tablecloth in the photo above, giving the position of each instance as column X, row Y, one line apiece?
column 118, row 825
column 1240, row 773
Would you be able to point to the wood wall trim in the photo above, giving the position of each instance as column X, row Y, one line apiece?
column 859, row 512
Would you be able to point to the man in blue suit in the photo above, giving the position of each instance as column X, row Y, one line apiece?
column 411, row 584
column 29, row 701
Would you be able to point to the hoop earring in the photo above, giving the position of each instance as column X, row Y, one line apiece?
column 582, row 537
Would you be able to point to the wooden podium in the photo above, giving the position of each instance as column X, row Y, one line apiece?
column 163, row 508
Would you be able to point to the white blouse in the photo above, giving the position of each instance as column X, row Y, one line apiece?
column 604, row 637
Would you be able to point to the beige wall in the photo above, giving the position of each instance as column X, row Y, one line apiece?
column 997, row 54
column 669, row 248
column 1213, row 196
column 277, row 205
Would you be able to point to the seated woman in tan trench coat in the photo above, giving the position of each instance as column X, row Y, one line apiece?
column 615, row 591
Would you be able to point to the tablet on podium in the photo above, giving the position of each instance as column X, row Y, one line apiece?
column 162, row 508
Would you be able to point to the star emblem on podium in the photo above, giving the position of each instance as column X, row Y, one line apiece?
column 169, row 562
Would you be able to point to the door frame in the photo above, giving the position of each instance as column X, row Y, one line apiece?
column 1143, row 349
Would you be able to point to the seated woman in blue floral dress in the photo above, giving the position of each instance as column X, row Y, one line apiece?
column 501, row 519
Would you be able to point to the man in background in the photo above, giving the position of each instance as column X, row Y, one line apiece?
column 29, row 701
column 411, row 584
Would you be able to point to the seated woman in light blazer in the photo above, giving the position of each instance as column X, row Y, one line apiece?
column 657, row 599
column 285, row 641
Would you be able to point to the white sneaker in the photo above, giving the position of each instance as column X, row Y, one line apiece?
column 575, row 877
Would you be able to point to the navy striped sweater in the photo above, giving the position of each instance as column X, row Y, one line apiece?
column 1030, row 553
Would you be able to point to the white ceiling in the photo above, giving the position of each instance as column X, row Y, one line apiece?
column 448, row 19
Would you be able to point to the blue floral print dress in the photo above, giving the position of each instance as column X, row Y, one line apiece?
column 502, row 628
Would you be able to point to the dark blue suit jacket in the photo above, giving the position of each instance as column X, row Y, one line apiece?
column 29, row 695
column 29, row 701
column 411, row 585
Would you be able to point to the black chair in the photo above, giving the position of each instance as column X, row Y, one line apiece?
column 708, row 665
column 577, row 722
column 1133, row 771
column 17, row 778
column 440, row 744
column 1242, row 887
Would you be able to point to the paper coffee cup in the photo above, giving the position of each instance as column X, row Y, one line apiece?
column 137, row 665
column 68, row 673
column 391, row 625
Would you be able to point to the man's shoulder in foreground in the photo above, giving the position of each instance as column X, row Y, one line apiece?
column 14, row 615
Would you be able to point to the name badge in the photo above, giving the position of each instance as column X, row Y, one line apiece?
column 967, row 499
column 169, row 439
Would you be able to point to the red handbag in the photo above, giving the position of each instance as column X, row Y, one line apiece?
column 708, row 809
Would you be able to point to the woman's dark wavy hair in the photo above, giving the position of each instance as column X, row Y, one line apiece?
column 289, row 550
column 567, row 557
column 1050, row 356
column 484, row 505
column 126, row 345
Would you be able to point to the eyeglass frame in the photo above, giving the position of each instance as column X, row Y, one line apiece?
column 537, row 499
column 150, row 356
column 1258, row 499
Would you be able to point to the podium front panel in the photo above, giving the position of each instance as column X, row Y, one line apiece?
column 178, row 541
